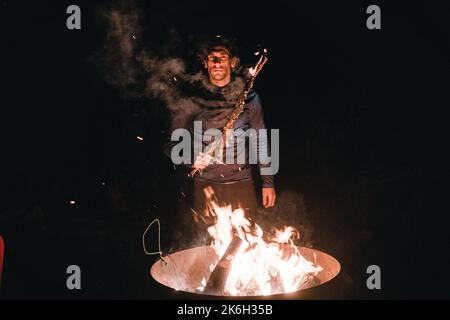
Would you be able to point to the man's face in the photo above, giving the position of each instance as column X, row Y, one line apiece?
column 219, row 65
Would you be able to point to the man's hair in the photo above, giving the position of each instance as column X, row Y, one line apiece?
column 210, row 44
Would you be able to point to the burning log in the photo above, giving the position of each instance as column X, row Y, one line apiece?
column 218, row 278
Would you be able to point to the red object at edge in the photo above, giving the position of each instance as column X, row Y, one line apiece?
column 2, row 254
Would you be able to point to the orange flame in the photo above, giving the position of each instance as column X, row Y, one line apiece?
column 260, row 267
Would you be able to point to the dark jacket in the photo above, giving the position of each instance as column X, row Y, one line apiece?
column 213, row 111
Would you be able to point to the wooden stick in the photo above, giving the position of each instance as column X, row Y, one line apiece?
column 237, row 110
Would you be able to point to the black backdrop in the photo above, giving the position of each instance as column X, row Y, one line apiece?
column 362, row 119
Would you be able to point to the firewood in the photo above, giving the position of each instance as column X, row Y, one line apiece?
column 219, row 276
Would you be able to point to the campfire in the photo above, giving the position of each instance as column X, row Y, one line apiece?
column 244, row 261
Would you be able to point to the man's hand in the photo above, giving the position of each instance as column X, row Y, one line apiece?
column 268, row 197
column 202, row 161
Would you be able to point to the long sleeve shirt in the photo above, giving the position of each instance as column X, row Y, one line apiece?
column 213, row 114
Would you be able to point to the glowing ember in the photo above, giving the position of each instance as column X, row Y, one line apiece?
column 263, row 264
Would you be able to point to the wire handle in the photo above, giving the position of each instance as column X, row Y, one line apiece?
column 159, row 241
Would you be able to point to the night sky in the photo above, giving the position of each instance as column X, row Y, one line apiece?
column 363, row 137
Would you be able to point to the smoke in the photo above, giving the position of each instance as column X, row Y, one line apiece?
column 138, row 71
column 165, row 77
column 116, row 61
column 290, row 210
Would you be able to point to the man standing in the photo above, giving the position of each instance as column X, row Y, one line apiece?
column 232, row 183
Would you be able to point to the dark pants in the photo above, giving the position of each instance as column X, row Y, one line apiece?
column 191, row 231
column 237, row 194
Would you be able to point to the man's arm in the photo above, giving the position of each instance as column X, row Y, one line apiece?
column 268, row 181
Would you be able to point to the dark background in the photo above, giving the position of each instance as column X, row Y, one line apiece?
column 363, row 129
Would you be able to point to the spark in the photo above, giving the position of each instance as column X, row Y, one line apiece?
column 175, row 78
column 140, row 138
column 72, row 202
column 222, row 175
column 256, row 53
column 133, row 36
column 182, row 193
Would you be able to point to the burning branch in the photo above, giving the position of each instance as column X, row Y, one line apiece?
column 251, row 262
column 219, row 276
column 219, row 144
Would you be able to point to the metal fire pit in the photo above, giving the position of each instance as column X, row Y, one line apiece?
column 185, row 269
